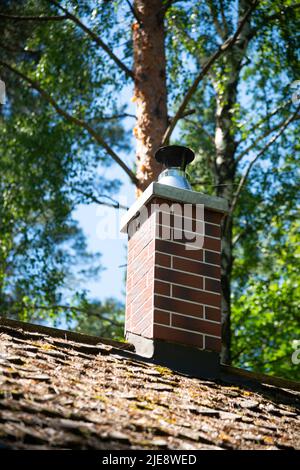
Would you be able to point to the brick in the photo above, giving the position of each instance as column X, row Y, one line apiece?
column 213, row 314
column 212, row 344
column 150, row 277
column 162, row 288
column 140, row 314
column 213, row 230
column 179, row 306
column 170, row 275
column 141, row 270
column 190, row 238
column 128, row 317
column 212, row 258
column 161, row 317
column 143, row 297
column 212, row 285
column 180, row 223
column 187, row 223
column 196, row 268
column 136, row 262
column 166, row 282
column 140, row 223
column 201, row 297
column 181, row 209
column 151, row 248
column 141, row 245
column 177, row 249
column 193, row 324
column 212, row 216
column 178, row 336
column 143, row 236
column 136, row 289
column 162, row 259
column 128, row 283
column 148, row 331
column 212, row 244
column 143, row 324
column 164, row 232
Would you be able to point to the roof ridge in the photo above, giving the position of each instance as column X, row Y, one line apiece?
column 63, row 334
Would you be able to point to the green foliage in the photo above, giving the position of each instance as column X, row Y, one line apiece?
column 106, row 318
column 266, row 317
column 49, row 165
column 265, row 277
column 46, row 162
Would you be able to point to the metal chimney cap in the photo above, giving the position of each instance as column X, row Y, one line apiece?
column 174, row 156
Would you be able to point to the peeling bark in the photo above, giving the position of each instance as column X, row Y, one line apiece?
column 150, row 91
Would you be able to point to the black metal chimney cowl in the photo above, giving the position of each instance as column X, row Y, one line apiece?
column 175, row 158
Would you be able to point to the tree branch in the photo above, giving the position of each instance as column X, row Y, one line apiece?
column 75, row 309
column 278, row 359
column 33, row 18
column 218, row 26
column 114, row 117
column 115, row 204
column 238, row 236
column 268, row 144
column 265, row 19
column 264, row 119
column 19, row 49
column 133, row 11
column 186, row 113
column 257, row 140
column 78, row 122
column 220, row 51
column 224, row 21
column 282, row 12
column 95, row 38
column 201, row 128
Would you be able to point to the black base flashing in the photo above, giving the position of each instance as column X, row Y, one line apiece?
column 183, row 359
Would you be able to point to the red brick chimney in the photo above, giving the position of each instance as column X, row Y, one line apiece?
column 173, row 293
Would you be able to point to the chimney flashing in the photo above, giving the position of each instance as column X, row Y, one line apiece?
column 181, row 358
column 170, row 193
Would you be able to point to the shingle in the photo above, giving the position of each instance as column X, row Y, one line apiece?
column 56, row 393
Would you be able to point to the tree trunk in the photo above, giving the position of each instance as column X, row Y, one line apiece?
column 224, row 171
column 226, row 87
column 150, row 91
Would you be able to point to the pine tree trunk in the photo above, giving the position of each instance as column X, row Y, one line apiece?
column 150, row 92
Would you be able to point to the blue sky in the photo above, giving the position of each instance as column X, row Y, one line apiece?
column 100, row 225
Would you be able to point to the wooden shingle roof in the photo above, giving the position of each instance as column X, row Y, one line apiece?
column 61, row 393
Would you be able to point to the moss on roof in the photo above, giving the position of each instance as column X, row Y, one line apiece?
column 57, row 393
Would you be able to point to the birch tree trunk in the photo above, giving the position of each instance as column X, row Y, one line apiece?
column 150, row 90
column 224, row 169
